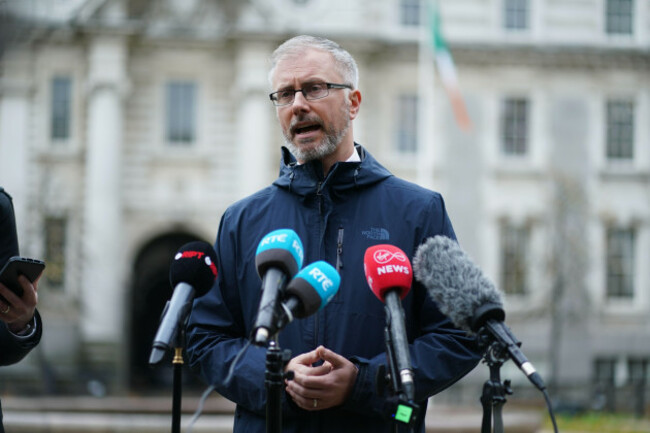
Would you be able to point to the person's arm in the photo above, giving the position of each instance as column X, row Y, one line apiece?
column 216, row 333
column 16, row 347
column 440, row 356
column 21, row 327
column 8, row 235
column 214, row 339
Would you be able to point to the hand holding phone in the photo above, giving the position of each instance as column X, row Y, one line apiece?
column 19, row 313
column 30, row 268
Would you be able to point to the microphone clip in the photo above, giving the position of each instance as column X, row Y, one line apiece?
column 398, row 407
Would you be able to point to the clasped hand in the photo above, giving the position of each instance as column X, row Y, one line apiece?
column 322, row 386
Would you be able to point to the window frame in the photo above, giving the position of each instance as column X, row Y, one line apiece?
column 515, row 241
column 56, row 105
column 185, row 135
column 510, row 127
column 57, row 260
column 407, row 124
column 410, row 13
column 618, row 151
column 622, row 273
column 614, row 16
column 514, row 12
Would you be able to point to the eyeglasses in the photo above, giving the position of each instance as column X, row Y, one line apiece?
column 310, row 91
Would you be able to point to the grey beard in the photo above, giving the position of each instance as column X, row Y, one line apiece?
column 330, row 142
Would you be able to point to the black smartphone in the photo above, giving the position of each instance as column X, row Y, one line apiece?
column 30, row 268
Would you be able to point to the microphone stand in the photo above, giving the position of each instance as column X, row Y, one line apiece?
column 177, row 386
column 494, row 391
column 404, row 409
column 157, row 355
column 274, row 377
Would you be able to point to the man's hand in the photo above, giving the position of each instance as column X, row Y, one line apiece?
column 18, row 312
column 323, row 386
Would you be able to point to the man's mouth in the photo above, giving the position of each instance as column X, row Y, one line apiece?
column 306, row 128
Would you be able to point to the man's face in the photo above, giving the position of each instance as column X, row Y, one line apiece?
column 312, row 129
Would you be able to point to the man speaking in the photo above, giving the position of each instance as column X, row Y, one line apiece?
column 336, row 197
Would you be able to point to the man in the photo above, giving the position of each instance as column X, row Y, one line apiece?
column 340, row 201
column 21, row 327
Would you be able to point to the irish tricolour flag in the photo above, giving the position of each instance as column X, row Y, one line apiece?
column 446, row 68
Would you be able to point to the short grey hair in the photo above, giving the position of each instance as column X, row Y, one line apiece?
column 345, row 63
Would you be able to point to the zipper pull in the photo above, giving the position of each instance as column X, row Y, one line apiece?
column 339, row 250
column 319, row 194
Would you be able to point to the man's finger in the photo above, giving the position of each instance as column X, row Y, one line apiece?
column 331, row 357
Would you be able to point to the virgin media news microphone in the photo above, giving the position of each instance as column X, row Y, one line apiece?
column 389, row 276
column 278, row 258
column 309, row 291
column 192, row 274
column 467, row 297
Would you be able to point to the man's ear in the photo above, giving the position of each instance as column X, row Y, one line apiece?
column 355, row 103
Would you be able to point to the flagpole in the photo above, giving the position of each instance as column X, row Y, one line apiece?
column 426, row 99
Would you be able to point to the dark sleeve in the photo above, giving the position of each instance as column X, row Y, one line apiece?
column 216, row 332
column 8, row 236
column 15, row 348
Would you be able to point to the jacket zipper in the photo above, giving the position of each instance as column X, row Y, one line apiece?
column 339, row 251
column 319, row 194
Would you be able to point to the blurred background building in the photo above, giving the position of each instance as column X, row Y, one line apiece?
column 128, row 126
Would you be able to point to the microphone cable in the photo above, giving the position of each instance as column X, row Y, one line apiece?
column 199, row 409
column 231, row 370
column 550, row 409
column 211, row 388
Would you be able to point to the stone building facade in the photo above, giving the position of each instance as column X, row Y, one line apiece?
column 128, row 126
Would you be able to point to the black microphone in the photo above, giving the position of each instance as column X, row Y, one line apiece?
column 192, row 274
column 278, row 257
column 467, row 297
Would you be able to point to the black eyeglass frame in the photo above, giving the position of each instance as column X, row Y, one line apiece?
column 273, row 96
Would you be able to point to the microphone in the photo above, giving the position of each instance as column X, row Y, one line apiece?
column 467, row 297
column 309, row 291
column 278, row 257
column 389, row 276
column 192, row 274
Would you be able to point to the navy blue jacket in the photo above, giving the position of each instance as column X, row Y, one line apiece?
column 358, row 205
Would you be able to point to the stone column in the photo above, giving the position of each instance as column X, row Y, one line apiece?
column 103, row 283
column 257, row 158
column 15, row 94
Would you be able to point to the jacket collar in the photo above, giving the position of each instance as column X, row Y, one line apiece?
column 305, row 179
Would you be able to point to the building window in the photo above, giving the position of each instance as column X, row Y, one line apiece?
column 514, row 126
column 55, row 241
column 181, row 112
column 410, row 13
column 605, row 383
column 407, row 124
column 620, row 129
column 514, row 258
column 620, row 262
column 60, row 108
column 637, row 370
column 619, row 17
column 515, row 14
column 605, row 371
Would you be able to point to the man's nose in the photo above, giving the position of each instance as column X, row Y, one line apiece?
column 300, row 103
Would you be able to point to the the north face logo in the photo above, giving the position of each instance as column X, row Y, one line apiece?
column 377, row 234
